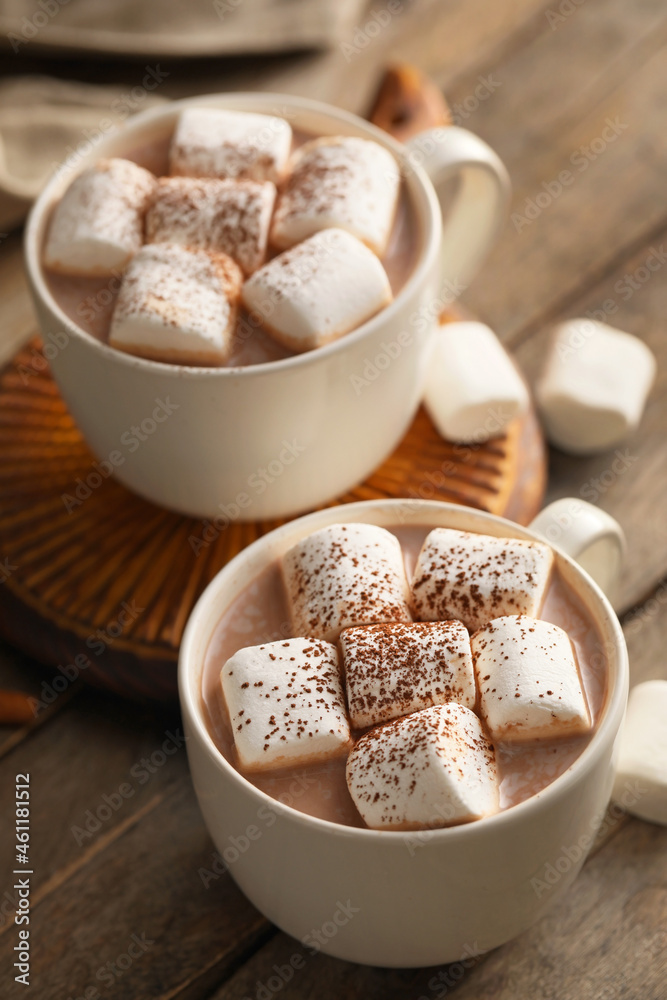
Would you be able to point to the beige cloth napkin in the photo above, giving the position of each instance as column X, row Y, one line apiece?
column 178, row 27
column 43, row 121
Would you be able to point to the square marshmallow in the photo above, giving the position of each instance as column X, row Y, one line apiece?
column 212, row 142
column 286, row 704
column 97, row 226
column 318, row 291
column 594, row 386
column 231, row 217
column 177, row 305
column 475, row 578
column 529, row 682
column 640, row 785
column 473, row 389
column 344, row 575
column 342, row 182
column 431, row 769
column 395, row 669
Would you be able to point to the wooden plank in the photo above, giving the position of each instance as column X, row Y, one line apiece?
column 20, row 673
column 89, row 750
column 564, row 69
column 566, row 235
column 141, row 895
column 627, row 482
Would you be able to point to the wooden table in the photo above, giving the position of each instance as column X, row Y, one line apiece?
column 556, row 77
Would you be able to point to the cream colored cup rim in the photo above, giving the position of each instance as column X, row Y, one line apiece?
column 189, row 681
column 422, row 193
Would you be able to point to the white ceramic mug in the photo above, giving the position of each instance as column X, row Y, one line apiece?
column 304, row 419
column 460, row 890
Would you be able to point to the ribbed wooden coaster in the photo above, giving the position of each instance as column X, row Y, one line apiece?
column 104, row 587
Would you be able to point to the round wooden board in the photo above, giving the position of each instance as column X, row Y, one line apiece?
column 103, row 589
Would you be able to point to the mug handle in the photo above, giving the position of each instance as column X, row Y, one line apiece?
column 587, row 534
column 473, row 221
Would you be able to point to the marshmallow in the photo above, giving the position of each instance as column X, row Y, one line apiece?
column 210, row 142
column 475, row 578
column 594, row 386
column 640, row 785
column 431, row 769
column 341, row 182
column 318, row 291
column 345, row 575
column 393, row 670
column 528, row 679
column 231, row 217
column 177, row 305
column 285, row 704
column 473, row 391
column 97, row 226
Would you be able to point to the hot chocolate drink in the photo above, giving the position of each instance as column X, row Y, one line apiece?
column 525, row 759
column 221, row 201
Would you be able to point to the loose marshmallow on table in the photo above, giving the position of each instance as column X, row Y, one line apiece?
column 529, row 682
column 473, row 391
column 177, row 305
column 338, row 181
column 397, row 669
column 318, row 291
column 98, row 224
column 231, row 217
column 479, row 577
column 594, row 386
column 286, row 704
column 431, row 769
column 211, row 142
column 640, row 785
column 345, row 575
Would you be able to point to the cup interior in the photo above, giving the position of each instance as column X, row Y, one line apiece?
column 301, row 113
column 246, row 566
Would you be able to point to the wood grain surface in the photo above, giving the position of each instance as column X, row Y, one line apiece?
column 139, row 874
